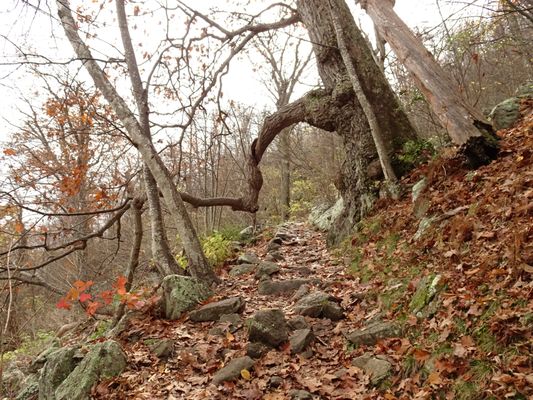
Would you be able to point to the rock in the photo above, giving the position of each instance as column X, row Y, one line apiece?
column 104, row 360
column 268, row 327
column 423, row 226
column 247, row 233
column 426, row 290
column 256, row 350
column 274, row 256
column 30, row 388
column 181, row 293
column 300, row 339
column 419, row 188
column 248, row 258
column 12, row 382
column 319, row 305
column 268, row 287
column 277, row 240
column 122, row 324
column 301, row 292
column 297, row 322
column 213, row 311
column 233, row 321
column 41, row 359
column 242, row 269
column 59, row 365
column 296, row 394
column 303, row 271
column 266, row 268
column 377, row 368
column 233, row 369
column 273, row 246
column 322, row 218
column 371, row 334
column 275, row 381
column 163, row 348
column 282, row 236
column 505, row 114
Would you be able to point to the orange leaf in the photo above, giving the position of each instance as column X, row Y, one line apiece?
column 63, row 304
column 92, row 307
column 421, row 355
column 19, row 227
column 9, row 152
column 120, row 285
column 434, row 379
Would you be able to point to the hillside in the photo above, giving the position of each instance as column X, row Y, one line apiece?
column 448, row 315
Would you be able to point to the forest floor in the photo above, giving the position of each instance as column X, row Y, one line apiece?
column 475, row 344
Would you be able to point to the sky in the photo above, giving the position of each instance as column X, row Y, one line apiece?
column 26, row 29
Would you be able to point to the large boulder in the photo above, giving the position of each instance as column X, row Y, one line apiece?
column 104, row 360
column 182, row 293
column 505, row 114
column 213, row 311
column 59, row 365
column 30, row 388
column 268, row 327
column 323, row 217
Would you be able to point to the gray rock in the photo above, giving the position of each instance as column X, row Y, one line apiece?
column 274, row 256
column 182, row 293
column 59, row 365
column 248, row 258
column 419, row 188
column 41, row 359
column 272, row 246
column 298, row 322
column 247, row 233
column 12, row 382
column 233, row 321
column 233, row 369
column 300, row 339
column 275, row 381
column 268, row 327
column 301, row 292
column 319, row 305
column 377, row 368
column 371, row 334
column 104, row 360
column 242, row 269
column 256, row 349
column 423, row 226
column 268, row 287
column 505, row 114
column 266, row 268
column 323, row 217
column 213, row 311
column 30, row 388
column 163, row 348
column 426, row 290
column 282, row 236
column 296, row 394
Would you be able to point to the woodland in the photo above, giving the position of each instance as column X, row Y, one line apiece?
column 306, row 199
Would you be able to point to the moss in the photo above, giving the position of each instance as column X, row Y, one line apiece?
column 486, row 340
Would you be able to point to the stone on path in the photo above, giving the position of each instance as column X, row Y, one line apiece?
column 297, row 322
column 273, row 246
column 377, row 368
column 274, row 256
column 256, row 349
column 300, row 339
column 162, row 348
column 371, row 334
column 182, row 293
column 266, row 268
column 233, row 369
column 213, row 311
column 296, row 394
column 242, row 269
column 268, row 287
column 268, row 327
column 319, row 305
column 248, row 258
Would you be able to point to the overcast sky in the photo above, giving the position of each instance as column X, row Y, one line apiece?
column 25, row 28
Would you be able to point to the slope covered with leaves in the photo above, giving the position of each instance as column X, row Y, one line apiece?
column 475, row 343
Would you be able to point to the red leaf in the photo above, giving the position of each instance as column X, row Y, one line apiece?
column 63, row 304
column 107, row 296
column 92, row 307
column 85, row 297
column 120, row 285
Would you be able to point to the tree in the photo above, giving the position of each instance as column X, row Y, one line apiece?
column 465, row 125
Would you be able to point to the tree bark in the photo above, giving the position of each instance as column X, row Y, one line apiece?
column 198, row 265
column 465, row 125
column 351, row 124
column 285, row 169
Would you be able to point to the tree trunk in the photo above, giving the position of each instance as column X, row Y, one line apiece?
column 198, row 265
column 351, row 124
column 285, row 169
column 465, row 125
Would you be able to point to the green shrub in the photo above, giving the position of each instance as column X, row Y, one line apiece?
column 414, row 152
column 216, row 246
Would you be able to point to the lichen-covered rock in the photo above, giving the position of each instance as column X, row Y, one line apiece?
column 426, row 290
column 423, row 226
column 505, row 114
column 268, row 327
column 233, row 369
column 268, row 287
column 248, row 258
column 300, row 339
column 182, row 293
column 242, row 269
column 30, row 388
column 377, row 368
column 371, row 334
column 319, row 305
column 266, row 268
column 59, row 365
column 104, row 360
column 247, row 233
column 213, row 311
column 41, row 359
column 12, row 380
column 322, row 218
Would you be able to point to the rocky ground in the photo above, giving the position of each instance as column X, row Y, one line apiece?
column 432, row 298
